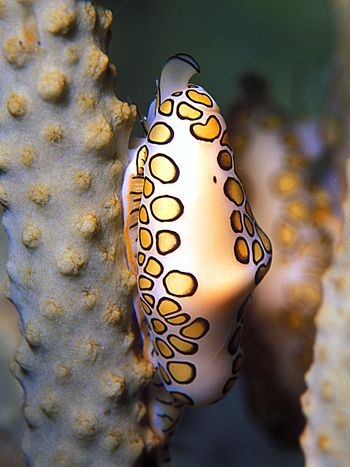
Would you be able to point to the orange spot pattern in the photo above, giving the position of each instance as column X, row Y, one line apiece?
column 173, row 332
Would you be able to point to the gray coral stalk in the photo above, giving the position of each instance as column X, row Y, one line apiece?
column 326, row 403
column 63, row 147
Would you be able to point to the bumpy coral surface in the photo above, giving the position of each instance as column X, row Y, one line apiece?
column 63, row 142
column 326, row 403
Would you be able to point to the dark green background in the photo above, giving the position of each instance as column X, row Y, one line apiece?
column 290, row 42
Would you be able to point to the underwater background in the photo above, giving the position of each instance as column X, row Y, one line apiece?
column 291, row 44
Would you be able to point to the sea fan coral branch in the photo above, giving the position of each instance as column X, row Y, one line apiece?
column 326, row 403
column 63, row 144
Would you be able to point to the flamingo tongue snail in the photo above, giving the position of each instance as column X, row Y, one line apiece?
column 193, row 243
